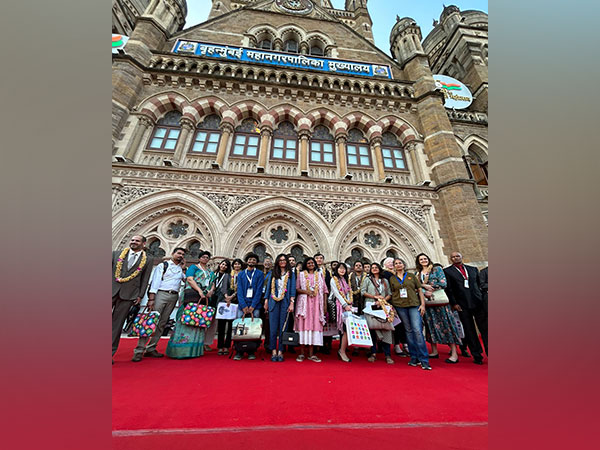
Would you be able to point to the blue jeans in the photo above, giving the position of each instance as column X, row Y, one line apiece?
column 382, row 346
column 277, row 314
column 413, row 323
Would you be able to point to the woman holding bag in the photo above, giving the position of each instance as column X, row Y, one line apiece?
column 438, row 313
column 187, row 341
column 280, row 295
column 376, row 292
column 310, row 310
column 341, row 292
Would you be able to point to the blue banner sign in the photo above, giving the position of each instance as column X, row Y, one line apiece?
column 254, row 55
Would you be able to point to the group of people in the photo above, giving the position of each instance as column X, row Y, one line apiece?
column 442, row 306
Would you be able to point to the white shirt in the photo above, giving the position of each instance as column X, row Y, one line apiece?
column 170, row 282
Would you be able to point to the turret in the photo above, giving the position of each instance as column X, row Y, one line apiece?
column 449, row 18
column 219, row 7
column 363, row 24
column 405, row 39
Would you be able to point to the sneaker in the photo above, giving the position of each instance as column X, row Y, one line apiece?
column 136, row 358
column 153, row 354
column 251, row 356
column 280, row 358
column 314, row 358
column 237, row 357
column 300, row 358
column 274, row 358
column 426, row 367
column 412, row 363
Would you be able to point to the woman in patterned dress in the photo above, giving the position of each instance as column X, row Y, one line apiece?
column 188, row 341
column 310, row 313
column 439, row 319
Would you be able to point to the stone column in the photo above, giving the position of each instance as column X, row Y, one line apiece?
column 341, row 147
column 226, row 132
column 278, row 45
column 380, row 169
column 187, row 127
column 411, row 150
column 304, row 50
column 135, row 145
column 304, row 135
column 265, row 140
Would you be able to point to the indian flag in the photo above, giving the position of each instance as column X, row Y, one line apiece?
column 450, row 86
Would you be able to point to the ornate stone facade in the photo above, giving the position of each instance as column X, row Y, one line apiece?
column 233, row 156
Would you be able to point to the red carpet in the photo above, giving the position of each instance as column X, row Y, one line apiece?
column 160, row 401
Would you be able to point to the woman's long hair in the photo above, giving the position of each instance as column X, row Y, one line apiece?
column 418, row 265
column 336, row 272
column 277, row 269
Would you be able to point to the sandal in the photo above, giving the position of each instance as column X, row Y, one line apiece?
column 300, row 358
column 314, row 358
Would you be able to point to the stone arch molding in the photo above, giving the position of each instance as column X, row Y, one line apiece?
column 153, row 211
column 410, row 238
column 477, row 140
column 252, row 219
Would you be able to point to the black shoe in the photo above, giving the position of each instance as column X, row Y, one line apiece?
column 449, row 361
column 136, row 358
column 154, row 354
column 465, row 354
column 478, row 362
column 413, row 363
column 426, row 367
column 434, row 356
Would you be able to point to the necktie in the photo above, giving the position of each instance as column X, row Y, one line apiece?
column 132, row 259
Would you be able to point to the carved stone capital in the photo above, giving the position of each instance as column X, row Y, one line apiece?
column 411, row 146
column 341, row 138
column 376, row 141
column 187, row 123
column 145, row 121
column 304, row 134
column 226, row 127
column 266, row 130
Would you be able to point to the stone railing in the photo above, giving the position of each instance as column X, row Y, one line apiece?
column 196, row 66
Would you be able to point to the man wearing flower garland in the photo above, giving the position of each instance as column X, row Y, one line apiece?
column 131, row 270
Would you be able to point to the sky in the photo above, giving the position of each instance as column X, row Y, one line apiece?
column 383, row 14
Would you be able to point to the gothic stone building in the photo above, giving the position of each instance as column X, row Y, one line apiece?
column 278, row 126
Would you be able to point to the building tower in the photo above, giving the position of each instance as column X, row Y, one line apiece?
column 465, row 229
column 363, row 24
column 219, row 7
column 159, row 21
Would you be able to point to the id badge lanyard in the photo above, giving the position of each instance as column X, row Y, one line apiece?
column 466, row 278
column 250, row 291
column 403, row 291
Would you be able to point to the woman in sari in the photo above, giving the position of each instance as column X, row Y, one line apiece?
column 188, row 341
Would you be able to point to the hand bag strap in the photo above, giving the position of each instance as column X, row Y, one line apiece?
column 286, row 321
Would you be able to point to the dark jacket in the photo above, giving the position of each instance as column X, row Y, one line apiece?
column 457, row 293
column 135, row 288
column 483, row 275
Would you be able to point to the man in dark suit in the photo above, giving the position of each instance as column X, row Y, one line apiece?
column 483, row 275
column 465, row 297
column 129, row 284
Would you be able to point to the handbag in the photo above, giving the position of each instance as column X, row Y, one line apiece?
column 197, row 315
column 331, row 309
column 246, row 329
column 358, row 331
column 459, row 325
column 144, row 324
column 377, row 319
column 438, row 298
column 290, row 338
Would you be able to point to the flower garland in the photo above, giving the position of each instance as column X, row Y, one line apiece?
column 285, row 280
column 119, row 267
column 314, row 288
column 343, row 292
column 358, row 283
column 233, row 283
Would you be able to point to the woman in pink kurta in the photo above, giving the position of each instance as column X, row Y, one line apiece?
column 310, row 316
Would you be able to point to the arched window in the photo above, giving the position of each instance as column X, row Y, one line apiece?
column 322, row 146
column 207, row 135
column 356, row 255
column 155, row 250
column 266, row 44
column 358, row 149
column 298, row 253
column 391, row 254
column 290, row 46
column 316, row 50
column 193, row 251
column 479, row 168
column 247, row 138
column 285, row 143
column 393, row 155
column 166, row 132
column 261, row 251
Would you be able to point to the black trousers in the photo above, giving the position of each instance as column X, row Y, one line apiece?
column 469, row 317
column 224, row 331
column 266, row 330
column 400, row 334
